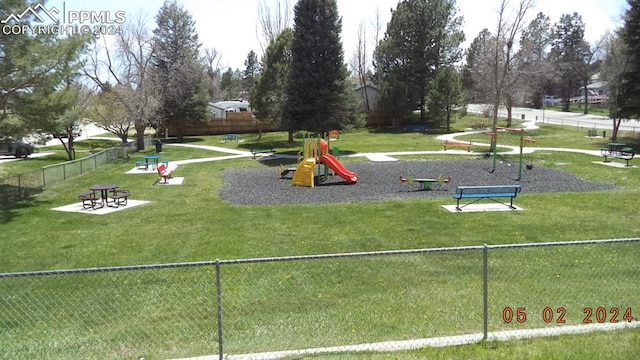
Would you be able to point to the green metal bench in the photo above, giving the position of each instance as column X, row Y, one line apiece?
column 266, row 150
column 490, row 192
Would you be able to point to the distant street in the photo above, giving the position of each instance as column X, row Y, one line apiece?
column 561, row 118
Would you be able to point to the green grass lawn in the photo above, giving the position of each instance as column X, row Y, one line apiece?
column 281, row 306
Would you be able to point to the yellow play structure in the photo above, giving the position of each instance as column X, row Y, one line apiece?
column 315, row 152
column 306, row 168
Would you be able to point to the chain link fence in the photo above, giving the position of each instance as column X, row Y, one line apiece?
column 17, row 187
column 271, row 308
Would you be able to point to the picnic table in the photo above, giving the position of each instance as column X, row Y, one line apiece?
column 618, row 150
column 151, row 160
column 231, row 138
column 104, row 194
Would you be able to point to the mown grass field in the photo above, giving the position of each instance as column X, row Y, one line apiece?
column 297, row 305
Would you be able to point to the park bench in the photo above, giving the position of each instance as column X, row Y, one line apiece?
column 262, row 150
column 416, row 128
column 618, row 151
column 490, row 192
column 457, row 144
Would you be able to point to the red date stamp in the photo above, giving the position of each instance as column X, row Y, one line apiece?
column 557, row 315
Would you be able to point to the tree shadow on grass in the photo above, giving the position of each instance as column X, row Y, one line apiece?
column 10, row 212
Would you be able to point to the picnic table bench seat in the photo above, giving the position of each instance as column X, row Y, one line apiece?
column 490, row 192
column 119, row 197
column 90, row 200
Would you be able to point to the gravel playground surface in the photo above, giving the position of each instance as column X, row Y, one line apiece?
column 381, row 181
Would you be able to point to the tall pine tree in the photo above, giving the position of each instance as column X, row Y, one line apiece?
column 269, row 91
column 319, row 97
column 421, row 36
column 568, row 54
column 178, row 71
column 629, row 92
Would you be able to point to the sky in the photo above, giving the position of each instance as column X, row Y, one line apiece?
column 230, row 26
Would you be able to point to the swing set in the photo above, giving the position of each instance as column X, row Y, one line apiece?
column 524, row 141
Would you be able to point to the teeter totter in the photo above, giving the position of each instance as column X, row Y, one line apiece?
column 426, row 183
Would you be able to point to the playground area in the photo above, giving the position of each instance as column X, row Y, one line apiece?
column 380, row 181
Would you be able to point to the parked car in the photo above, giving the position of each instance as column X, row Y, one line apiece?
column 15, row 148
column 550, row 100
column 75, row 132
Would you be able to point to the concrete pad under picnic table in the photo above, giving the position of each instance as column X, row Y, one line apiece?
column 615, row 164
column 136, row 170
column 77, row 208
column 480, row 208
column 171, row 181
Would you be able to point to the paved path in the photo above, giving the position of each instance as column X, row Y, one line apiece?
column 529, row 124
column 532, row 118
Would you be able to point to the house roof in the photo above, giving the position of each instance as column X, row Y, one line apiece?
column 597, row 85
column 229, row 104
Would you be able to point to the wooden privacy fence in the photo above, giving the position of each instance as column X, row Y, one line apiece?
column 240, row 123
column 244, row 122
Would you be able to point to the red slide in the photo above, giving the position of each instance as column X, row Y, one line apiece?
column 335, row 165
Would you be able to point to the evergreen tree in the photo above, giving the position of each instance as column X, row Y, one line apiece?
column 445, row 96
column 477, row 66
column 319, row 97
column 629, row 91
column 421, row 36
column 178, row 71
column 533, row 55
column 615, row 65
column 231, row 82
column 268, row 95
column 32, row 68
column 250, row 71
column 568, row 55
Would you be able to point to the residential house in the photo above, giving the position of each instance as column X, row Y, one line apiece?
column 368, row 95
column 221, row 108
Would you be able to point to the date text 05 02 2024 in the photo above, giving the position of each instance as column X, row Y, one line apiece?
column 557, row 315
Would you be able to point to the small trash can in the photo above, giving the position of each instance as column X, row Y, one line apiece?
column 158, row 146
column 522, row 116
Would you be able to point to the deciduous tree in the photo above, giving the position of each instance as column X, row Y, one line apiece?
column 126, row 63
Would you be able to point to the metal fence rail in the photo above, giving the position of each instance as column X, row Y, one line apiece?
column 284, row 306
column 17, row 187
